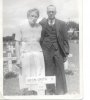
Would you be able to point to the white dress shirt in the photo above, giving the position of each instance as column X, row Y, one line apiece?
column 51, row 22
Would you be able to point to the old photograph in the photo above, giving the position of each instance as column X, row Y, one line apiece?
column 41, row 55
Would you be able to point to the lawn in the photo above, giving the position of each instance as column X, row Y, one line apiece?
column 11, row 85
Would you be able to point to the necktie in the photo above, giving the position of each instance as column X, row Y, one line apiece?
column 51, row 22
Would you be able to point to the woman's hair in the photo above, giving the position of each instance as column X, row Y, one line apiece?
column 32, row 10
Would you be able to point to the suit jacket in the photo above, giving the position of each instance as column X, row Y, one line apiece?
column 61, row 32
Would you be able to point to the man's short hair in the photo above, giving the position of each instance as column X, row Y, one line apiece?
column 51, row 6
column 32, row 10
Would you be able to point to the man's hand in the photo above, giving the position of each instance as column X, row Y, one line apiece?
column 65, row 59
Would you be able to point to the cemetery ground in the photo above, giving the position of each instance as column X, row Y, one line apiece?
column 11, row 85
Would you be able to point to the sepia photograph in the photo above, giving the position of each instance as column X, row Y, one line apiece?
column 41, row 49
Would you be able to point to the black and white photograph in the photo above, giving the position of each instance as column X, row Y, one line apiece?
column 41, row 49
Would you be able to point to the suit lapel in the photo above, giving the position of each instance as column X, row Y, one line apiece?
column 57, row 24
column 47, row 26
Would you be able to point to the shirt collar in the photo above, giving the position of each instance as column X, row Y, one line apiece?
column 51, row 22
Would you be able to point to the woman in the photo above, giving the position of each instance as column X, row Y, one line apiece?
column 29, row 53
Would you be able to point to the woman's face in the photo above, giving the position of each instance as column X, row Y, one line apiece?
column 33, row 18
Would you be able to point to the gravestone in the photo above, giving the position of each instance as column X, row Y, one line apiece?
column 41, row 82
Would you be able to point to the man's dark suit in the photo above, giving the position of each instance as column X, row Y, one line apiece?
column 55, row 47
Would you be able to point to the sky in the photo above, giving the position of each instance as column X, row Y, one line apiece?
column 15, row 11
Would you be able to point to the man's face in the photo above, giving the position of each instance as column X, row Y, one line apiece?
column 51, row 12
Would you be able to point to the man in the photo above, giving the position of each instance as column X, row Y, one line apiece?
column 55, row 49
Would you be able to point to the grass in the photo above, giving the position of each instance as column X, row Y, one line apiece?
column 11, row 85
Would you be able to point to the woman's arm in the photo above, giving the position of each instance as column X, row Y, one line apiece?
column 18, row 38
column 17, row 49
column 17, row 46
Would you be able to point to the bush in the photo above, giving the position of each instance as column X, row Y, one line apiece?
column 10, row 75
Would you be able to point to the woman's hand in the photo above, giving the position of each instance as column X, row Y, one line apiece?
column 18, row 63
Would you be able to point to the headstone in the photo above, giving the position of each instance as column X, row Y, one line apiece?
column 41, row 82
column 11, row 48
column 9, row 62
